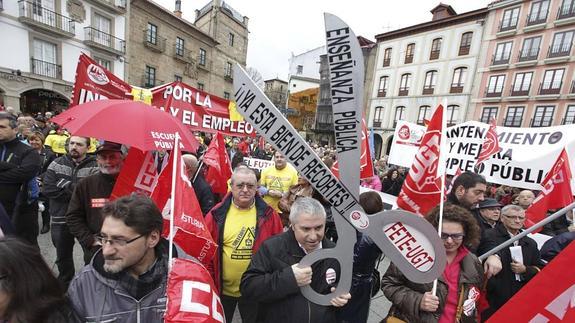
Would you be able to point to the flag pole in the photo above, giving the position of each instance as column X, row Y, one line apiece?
column 442, row 171
column 173, row 195
column 197, row 171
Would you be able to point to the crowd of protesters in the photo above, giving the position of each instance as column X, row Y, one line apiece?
column 266, row 223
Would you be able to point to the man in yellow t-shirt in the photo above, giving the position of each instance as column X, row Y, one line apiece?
column 56, row 140
column 276, row 180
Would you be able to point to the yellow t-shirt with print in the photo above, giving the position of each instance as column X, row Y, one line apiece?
column 238, row 241
column 278, row 180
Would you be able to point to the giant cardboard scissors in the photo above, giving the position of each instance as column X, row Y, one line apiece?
column 410, row 242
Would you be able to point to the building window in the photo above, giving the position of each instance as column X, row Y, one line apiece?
column 452, row 115
column 514, row 117
column 299, row 70
column 387, row 57
column 530, row 49
column 152, row 34
column 561, row 44
column 510, row 18
column 543, row 116
column 231, row 40
column 465, row 44
column 150, row 77
column 377, row 117
column 569, row 115
column 228, row 70
column 538, row 13
column 488, row 114
column 458, row 81
column 404, row 84
column 382, row 89
column 502, row 53
column 567, row 9
column 424, row 114
column 227, row 95
column 430, row 80
column 522, row 84
column 200, row 86
column 177, row 78
column 107, row 64
column 179, row 46
column 399, row 111
column 552, row 82
column 102, row 29
column 202, row 60
column 495, row 86
column 45, row 61
column 435, row 49
column 409, row 53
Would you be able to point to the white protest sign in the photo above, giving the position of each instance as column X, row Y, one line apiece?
column 259, row 164
column 526, row 157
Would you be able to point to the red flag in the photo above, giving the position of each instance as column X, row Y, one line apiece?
column 366, row 163
column 420, row 192
column 138, row 174
column 556, row 191
column 220, row 166
column 490, row 144
column 190, row 232
column 548, row 297
column 192, row 296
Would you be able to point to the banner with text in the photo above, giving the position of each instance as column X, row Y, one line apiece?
column 527, row 153
column 259, row 164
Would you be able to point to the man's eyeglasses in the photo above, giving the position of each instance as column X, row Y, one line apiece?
column 240, row 186
column 116, row 242
column 516, row 217
column 454, row 236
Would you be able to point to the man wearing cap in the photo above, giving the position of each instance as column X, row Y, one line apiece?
column 90, row 195
column 488, row 213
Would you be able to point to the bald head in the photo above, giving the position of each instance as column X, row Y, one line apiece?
column 191, row 163
column 525, row 199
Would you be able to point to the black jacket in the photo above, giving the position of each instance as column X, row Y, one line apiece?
column 557, row 226
column 19, row 163
column 60, row 180
column 270, row 281
column 501, row 287
column 204, row 194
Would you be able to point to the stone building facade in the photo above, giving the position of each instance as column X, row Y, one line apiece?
column 276, row 91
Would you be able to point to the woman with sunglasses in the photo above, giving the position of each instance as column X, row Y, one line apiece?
column 458, row 289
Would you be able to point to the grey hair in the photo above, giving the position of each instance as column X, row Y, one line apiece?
column 242, row 170
column 511, row 207
column 306, row 205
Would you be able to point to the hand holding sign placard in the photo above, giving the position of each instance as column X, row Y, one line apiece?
column 408, row 240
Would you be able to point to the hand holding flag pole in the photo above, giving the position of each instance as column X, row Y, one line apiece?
column 176, row 153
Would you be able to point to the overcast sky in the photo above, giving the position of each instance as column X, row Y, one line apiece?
column 279, row 28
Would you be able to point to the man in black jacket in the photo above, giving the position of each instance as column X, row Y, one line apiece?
column 201, row 187
column 19, row 164
column 59, row 182
column 274, row 276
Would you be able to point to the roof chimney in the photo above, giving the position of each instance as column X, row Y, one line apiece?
column 178, row 10
column 442, row 11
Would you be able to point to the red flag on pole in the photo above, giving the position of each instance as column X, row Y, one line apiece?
column 366, row 162
column 220, row 166
column 138, row 174
column 190, row 231
column 420, row 191
column 548, row 297
column 556, row 191
column 192, row 296
column 490, row 144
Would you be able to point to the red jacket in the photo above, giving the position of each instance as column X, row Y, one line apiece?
column 268, row 223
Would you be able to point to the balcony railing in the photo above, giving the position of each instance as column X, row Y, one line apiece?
column 520, row 92
column 386, row 62
column 205, row 65
column 377, row 123
column 464, row 50
column 508, row 26
column 566, row 12
column 403, row 91
column 495, row 94
column 530, row 54
column 428, row 90
column 183, row 54
column 381, row 93
column 543, row 121
column 408, row 59
column 434, row 54
column 536, row 19
column 456, row 88
column 559, row 50
column 35, row 14
column 547, row 88
column 98, row 38
column 148, row 82
column 46, row 68
column 153, row 41
column 513, row 121
column 500, row 60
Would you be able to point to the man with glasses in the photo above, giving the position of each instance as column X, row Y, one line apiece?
column 83, row 216
column 515, row 273
column 239, row 224
column 126, row 279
